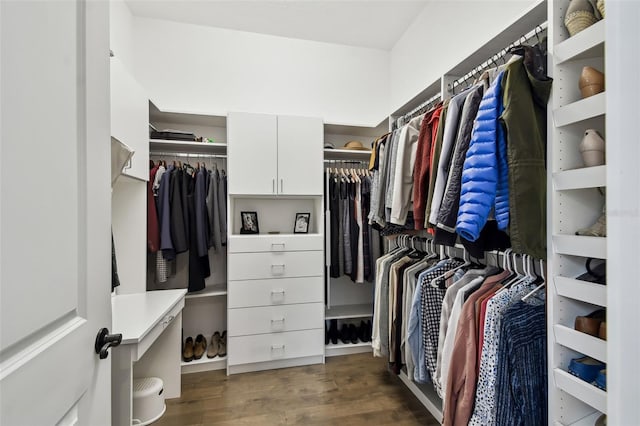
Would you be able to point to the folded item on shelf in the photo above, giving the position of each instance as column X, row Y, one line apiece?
column 174, row 135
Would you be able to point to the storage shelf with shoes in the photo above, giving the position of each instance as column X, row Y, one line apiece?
column 587, row 44
column 586, row 392
column 581, row 110
column 584, row 291
column 202, row 353
column 581, row 342
column 587, row 177
column 347, row 337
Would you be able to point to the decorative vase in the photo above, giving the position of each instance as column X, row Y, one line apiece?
column 591, row 82
column 580, row 15
column 592, row 148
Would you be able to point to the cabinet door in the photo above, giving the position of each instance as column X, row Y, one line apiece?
column 300, row 155
column 130, row 118
column 252, row 153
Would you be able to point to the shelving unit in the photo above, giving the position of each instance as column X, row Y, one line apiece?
column 364, row 310
column 204, row 364
column 340, row 348
column 346, row 154
column 187, row 147
column 574, row 202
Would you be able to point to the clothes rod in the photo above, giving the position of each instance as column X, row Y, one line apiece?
column 400, row 121
column 185, row 155
column 492, row 61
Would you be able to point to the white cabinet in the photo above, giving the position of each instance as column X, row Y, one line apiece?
column 274, row 155
column 130, row 118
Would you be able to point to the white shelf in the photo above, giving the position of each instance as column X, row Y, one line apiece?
column 204, row 364
column 588, row 43
column 425, row 394
column 589, row 420
column 349, row 311
column 210, row 291
column 581, row 342
column 587, row 177
column 585, row 392
column 596, row 294
column 161, row 145
column 578, row 245
column 340, row 348
column 584, row 109
column 346, row 154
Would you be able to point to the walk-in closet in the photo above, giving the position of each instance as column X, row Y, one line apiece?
column 419, row 212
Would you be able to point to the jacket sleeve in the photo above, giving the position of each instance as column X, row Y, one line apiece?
column 480, row 171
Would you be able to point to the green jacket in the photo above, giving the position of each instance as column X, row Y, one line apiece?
column 524, row 120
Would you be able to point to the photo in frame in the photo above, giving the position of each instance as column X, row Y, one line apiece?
column 249, row 223
column 301, row 225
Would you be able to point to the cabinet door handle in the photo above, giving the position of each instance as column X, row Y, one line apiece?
column 274, row 245
column 281, row 186
column 277, row 320
column 274, row 292
column 273, row 186
column 277, row 347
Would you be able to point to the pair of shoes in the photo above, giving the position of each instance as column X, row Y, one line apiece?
column 364, row 331
column 586, row 368
column 598, row 229
column 332, row 334
column 349, row 333
column 601, row 380
column 194, row 350
column 582, row 14
column 593, row 324
column 218, row 345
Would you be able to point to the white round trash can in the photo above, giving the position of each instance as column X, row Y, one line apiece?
column 148, row 400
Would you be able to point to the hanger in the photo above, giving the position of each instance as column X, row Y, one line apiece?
column 467, row 262
column 535, row 290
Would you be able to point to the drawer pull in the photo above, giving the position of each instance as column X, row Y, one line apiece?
column 274, row 292
column 277, row 347
column 278, row 320
column 280, row 271
column 274, row 246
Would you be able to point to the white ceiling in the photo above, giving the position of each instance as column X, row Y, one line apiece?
column 376, row 24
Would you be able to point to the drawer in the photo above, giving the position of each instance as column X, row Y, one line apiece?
column 244, row 294
column 266, row 243
column 255, row 266
column 275, row 319
column 273, row 347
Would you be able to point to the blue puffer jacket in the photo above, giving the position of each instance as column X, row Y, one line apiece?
column 485, row 175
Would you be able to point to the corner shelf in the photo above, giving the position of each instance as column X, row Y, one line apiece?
column 340, row 348
column 204, row 364
column 187, row 147
column 210, row 291
column 578, row 245
column 584, row 291
column 349, row 311
column 587, row 177
column 585, row 392
column 581, row 110
column 581, row 342
column 588, row 43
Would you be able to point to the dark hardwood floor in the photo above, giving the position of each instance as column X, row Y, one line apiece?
column 347, row 390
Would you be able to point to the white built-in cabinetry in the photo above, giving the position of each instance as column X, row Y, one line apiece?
column 575, row 200
column 275, row 291
column 275, row 155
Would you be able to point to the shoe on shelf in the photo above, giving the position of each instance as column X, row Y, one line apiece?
column 214, row 347
column 344, row 333
column 601, row 380
column 326, row 334
column 580, row 15
column 598, row 229
column 586, row 368
column 333, row 331
column 369, row 330
column 222, row 351
column 592, row 148
column 199, row 346
column 602, row 332
column 600, row 7
column 353, row 333
column 601, row 421
column 590, row 324
column 591, row 82
column 187, row 351
column 362, row 332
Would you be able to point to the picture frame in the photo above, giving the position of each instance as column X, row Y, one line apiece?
column 301, row 225
column 249, row 221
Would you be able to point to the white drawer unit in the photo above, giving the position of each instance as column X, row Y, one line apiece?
column 274, row 243
column 276, row 346
column 255, row 266
column 275, row 319
column 270, row 292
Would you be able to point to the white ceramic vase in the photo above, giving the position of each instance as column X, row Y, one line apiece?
column 592, row 148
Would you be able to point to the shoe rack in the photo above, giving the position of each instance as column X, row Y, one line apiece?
column 575, row 199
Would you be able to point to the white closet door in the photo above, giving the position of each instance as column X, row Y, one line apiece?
column 300, row 155
column 252, row 153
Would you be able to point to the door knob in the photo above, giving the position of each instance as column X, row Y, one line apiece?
column 104, row 341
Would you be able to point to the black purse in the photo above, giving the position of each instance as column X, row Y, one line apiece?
column 597, row 274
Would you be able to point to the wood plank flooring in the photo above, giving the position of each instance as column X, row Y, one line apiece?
column 347, row 390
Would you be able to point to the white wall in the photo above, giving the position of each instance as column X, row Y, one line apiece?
column 208, row 70
column 121, row 33
column 444, row 34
